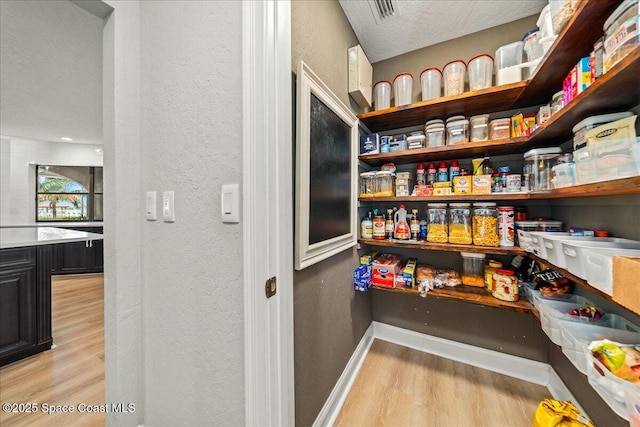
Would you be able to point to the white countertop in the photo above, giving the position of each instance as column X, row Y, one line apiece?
column 34, row 236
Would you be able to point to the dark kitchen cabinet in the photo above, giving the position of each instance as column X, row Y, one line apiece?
column 79, row 257
column 25, row 302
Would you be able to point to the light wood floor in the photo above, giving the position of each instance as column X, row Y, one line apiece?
column 398, row 386
column 73, row 371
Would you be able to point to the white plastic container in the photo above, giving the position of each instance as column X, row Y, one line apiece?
column 598, row 264
column 580, row 129
column 402, row 89
column 507, row 60
column 382, row 95
column 553, row 312
column 575, row 337
column 532, row 46
column 544, row 22
column 431, row 81
column 479, row 127
column 574, row 251
column 564, row 175
column 554, row 250
column 457, row 131
column 632, row 396
column 454, row 75
column 611, row 388
column 535, row 239
column 480, row 70
column 546, row 43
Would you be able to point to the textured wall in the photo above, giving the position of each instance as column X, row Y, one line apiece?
column 18, row 178
column 191, row 132
column 438, row 55
column 329, row 317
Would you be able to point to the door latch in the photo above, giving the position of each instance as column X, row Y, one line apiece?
column 270, row 287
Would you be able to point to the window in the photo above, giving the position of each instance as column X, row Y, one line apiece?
column 68, row 193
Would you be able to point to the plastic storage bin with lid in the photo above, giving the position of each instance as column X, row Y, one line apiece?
column 460, row 223
column 533, row 50
column 437, row 223
column 552, row 312
column 500, row 128
column 598, row 263
column 382, row 95
column 564, row 175
column 507, row 60
column 431, row 81
column 403, row 89
column 537, row 168
column 580, row 129
column 435, row 133
column 621, row 33
column 479, row 127
column 607, row 160
column 473, row 269
column 576, row 336
column 384, row 184
column 480, row 69
column 367, row 184
column 454, row 75
column 457, row 131
column 485, row 224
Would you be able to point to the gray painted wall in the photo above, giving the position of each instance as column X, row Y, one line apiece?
column 329, row 317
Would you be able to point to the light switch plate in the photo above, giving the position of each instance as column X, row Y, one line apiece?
column 230, row 203
column 168, row 207
column 150, row 210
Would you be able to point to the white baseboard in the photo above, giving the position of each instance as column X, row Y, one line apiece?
column 495, row 361
column 332, row 406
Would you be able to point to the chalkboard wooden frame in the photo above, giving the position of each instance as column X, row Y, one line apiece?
column 325, row 213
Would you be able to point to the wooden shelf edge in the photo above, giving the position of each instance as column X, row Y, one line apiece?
column 467, row 294
column 452, row 198
column 446, row 247
column 614, row 187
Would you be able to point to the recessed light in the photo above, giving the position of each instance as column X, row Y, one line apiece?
column 66, row 138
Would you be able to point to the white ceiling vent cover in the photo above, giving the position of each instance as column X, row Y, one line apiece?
column 384, row 10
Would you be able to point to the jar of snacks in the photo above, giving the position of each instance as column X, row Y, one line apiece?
column 491, row 268
column 505, row 285
column 437, row 224
column 460, row 223
column 472, row 269
column 485, row 224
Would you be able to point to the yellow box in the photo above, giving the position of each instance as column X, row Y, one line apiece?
column 462, row 184
column 442, row 184
column 443, row 191
column 481, row 184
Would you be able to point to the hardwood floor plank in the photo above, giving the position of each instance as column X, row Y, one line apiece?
column 73, row 371
column 398, row 386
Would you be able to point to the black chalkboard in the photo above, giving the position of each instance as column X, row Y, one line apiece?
column 329, row 174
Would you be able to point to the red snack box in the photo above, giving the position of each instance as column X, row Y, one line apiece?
column 386, row 268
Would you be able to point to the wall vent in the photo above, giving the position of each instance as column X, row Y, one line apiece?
column 384, row 10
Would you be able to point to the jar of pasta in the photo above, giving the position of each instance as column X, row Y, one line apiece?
column 485, row 224
column 460, row 223
column 437, row 224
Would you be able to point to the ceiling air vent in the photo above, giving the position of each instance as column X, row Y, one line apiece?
column 384, row 10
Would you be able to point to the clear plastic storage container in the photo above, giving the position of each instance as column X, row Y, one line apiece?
column 479, row 127
column 473, row 269
column 537, row 168
column 480, row 69
column 384, row 184
column 564, row 175
column 606, row 160
column 561, row 11
column 457, row 132
column 580, row 129
column 402, row 89
column 437, row 223
column 454, row 76
column 532, row 46
column 485, row 224
column 500, row 128
column 544, row 22
column 507, row 60
column 460, row 230
column 621, row 33
column 431, row 81
column 382, row 95
column 367, row 184
column 552, row 312
column 435, row 133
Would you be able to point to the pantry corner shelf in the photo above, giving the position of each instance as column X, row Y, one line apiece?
column 496, row 98
column 469, row 294
column 447, row 247
column 616, row 187
column 446, row 152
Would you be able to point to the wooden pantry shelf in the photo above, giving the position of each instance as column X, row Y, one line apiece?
column 614, row 187
column 447, row 152
column 447, row 247
column 573, row 277
column 469, row 294
column 496, row 98
column 614, row 91
column 452, row 198
column 574, row 42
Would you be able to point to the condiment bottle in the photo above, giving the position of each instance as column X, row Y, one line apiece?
column 432, row 173
column 389, row 224
column 366, row 227
column 443, row 172
column 401, row 231
column 454, row 169
column 489, row 269
column 420, row 175
column 378, row 226
column 415, row 224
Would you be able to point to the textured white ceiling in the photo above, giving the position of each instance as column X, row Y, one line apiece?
column 50, row 71
column 427, row 22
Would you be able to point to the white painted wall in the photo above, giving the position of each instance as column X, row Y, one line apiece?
column 173, row 291
column 17, row 175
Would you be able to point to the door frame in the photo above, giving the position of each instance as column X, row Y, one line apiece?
column 268, row 212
